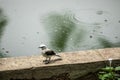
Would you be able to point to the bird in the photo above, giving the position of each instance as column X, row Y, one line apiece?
column 47, row 53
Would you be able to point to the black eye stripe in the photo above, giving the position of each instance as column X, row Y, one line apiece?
column 43, row 47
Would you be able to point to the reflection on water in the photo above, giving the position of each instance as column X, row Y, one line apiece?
column 3, row 22
column 68, row 34
column 99, row 12
column 59, row 27
column 107, row 44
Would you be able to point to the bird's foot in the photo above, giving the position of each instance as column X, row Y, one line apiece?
column 45, row 60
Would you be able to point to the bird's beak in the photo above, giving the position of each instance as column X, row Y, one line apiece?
column 39, row 47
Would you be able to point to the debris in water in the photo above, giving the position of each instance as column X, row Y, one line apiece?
column 7, row 51
column 116, row 37
column 37, row 32
column 119, row 21
column 3, row 48
column 99, row 12
column 105, row 20
column 91, row 36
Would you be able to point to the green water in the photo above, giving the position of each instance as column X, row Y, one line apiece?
column 63, row 28
column 61, row 25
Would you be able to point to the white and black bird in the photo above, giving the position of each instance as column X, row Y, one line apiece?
column 47, row 53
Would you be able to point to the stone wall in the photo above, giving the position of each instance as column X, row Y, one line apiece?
column 71, row 65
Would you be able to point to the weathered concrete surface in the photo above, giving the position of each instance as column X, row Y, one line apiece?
column 72, row 66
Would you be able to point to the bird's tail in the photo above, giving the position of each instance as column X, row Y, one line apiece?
column 57, row 55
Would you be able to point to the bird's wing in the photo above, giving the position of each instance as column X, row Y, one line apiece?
column 50, row 52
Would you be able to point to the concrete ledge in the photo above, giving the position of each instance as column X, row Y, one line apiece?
column 72, row 66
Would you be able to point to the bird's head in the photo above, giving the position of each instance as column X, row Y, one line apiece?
column 42, row 46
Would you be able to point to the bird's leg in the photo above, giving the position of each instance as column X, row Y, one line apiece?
column 45, row 60
column 49, row 59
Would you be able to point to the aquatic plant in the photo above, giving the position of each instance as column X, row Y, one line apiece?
column 107, row 43
column 3, row 22
column 59, row 27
